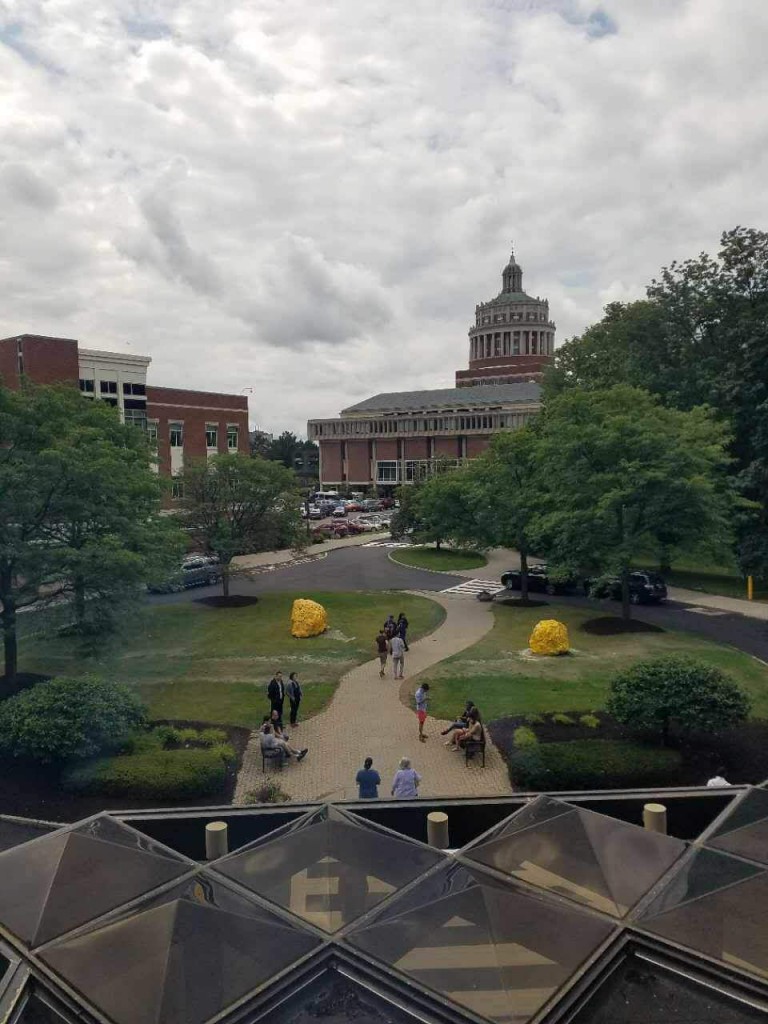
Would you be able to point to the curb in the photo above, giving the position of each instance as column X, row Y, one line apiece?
column 419, row 568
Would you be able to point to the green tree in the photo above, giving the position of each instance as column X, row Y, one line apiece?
column 620, row 475
column 79, row 509
column 236, row 504
column 285, row 449
column 676, row 693
column 508, row 495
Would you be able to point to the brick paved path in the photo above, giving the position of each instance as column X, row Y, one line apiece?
column 367, row 718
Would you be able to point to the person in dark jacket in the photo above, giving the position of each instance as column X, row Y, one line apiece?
column 402, row 628
column 276, row 693
column 293, row 689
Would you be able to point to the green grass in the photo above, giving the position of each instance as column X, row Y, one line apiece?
column 708, row 578
column 444, row 560
column 496, row 675
column 194, row 663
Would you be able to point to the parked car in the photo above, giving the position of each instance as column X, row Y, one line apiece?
column 194, row 571
column 366, row 524
column 339, row 511
column 339, row 529
column 644, row 588
column 372, row 505
column 540, row 581
column 353, row 506
column 315, row 512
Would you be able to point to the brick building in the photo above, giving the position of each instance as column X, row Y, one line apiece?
column 184, row 424
column 397, row 438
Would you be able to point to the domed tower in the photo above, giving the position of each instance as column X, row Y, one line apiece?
column 512, row 339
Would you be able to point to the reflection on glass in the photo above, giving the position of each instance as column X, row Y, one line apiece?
column 485, row 944
column 596, row 860
column 329, row 868
column 745, row 831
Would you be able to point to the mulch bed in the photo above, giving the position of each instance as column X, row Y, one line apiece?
column 517, row 602
column 33, row 791
column 612, row 625
column 23, row 681
column 233, row 601
column 741, row 752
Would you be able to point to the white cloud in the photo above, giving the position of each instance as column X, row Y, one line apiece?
column 310, row 199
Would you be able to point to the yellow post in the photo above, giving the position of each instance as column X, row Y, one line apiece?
column 750, row 588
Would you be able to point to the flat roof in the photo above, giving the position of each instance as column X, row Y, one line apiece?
column 522, row 392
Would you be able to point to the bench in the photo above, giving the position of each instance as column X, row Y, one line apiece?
column 275, row 755
column 472, row 747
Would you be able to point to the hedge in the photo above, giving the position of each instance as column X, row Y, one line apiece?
column 592, row 764
column 155, row 774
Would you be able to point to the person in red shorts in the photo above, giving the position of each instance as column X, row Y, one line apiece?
column 422, row 699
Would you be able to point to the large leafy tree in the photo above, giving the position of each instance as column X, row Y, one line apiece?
column 508, row 495
column 79, row 510
column 234, row 504
column 701, row 337
column 620, row 474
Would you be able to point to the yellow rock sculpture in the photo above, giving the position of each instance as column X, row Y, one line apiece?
column 308, row 618
column 549, row 637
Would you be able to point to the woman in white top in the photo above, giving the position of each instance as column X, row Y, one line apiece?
column 405, row 784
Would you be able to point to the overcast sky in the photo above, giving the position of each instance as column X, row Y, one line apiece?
column 308, row 198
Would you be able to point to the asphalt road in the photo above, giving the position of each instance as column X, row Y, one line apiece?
column 369, row 568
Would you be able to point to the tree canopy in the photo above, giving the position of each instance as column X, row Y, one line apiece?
column 237, row 504
column 79, row 509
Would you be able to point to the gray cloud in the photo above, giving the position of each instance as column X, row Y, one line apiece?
column 310, row 199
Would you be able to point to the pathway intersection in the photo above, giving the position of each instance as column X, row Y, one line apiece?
column 366, row 718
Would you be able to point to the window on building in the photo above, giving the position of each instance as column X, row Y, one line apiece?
column 211, row 435
column 177, row 489
column 152, row 431
column 176, row 435
column 387, row 472
column 134, row 389
column 135, row 403
column 232, row 438
column 136, row 417
column 108, row 387
column 86, row 386
column 110, row 401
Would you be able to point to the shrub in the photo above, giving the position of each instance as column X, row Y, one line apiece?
column 212, row 737
column 561, row 719
column 524, row 737
column 63, row 719
column 534, row 719
column 593, row 764
column 589, row 721
column 268, row 793
column 663, row 693
column 155, row 775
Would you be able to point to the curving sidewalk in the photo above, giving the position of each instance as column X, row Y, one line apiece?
column 367, row 719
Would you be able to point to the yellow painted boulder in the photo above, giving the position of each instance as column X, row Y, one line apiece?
column 308, row 618
column 549, row 637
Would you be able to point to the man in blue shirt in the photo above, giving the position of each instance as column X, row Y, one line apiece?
column 368, row 781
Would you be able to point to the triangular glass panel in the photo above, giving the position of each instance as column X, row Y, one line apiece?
column 61, row 881
column 596, row 860
column 514, row 952
column 180, row 957
column 330, row 868
column 745, row 831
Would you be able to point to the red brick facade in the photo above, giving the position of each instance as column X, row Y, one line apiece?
column 40, row 359
column 195, row 411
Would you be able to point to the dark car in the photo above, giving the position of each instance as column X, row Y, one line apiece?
column 195, row 571
column 539, row 581
column 644, row 588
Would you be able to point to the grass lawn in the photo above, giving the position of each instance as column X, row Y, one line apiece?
column 495, row 674
column 446, row 559
column 194, row 663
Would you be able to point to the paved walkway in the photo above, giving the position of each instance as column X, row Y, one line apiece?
column 367, row 718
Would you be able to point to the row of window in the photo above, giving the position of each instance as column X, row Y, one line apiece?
column 176, row 436
column 109, row 387
column 511, row 343
column 502, row 318
column 452, row 422
column 391, row 471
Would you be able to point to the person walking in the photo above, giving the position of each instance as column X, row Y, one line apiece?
column 422, row 700
column 405, row 784
column 390, row 627
column 397, row 650
column 276, row 693
column 382, row 646
column 293, row 689
column 368, row 781
column 402, row 629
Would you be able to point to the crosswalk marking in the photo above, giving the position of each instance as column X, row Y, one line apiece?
column 474, row 587
column 387, row 544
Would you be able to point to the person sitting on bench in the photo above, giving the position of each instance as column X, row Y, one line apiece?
column 461, row 722
column 474, row 731
column 270, row 742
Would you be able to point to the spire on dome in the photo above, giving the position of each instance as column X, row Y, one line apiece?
column 512, row 275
